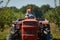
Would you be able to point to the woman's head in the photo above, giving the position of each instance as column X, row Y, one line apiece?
column 29, row 9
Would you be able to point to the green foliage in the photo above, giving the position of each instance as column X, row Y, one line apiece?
column 45, row 8
column 7, row 15
column 53, row 16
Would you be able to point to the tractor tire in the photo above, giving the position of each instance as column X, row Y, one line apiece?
column 8, row 37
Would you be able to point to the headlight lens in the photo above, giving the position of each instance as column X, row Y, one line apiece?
column 13, row 25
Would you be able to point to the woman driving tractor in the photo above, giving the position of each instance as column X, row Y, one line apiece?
column 29, row 13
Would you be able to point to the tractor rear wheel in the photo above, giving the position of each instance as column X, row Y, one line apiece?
column 10, row 37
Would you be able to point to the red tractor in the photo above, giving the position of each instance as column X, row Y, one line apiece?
column 30, row 29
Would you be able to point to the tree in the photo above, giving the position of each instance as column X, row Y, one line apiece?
column 7, row 15
column 45, row 8
column 53, row 16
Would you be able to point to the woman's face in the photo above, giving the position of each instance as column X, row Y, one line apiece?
column 29, row 10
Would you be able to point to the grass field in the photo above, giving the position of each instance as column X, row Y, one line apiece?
column 55, row 32
column 4, row 34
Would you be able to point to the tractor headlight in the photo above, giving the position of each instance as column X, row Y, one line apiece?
column 13, row 25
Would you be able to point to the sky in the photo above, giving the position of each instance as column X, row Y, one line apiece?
column 20, row 3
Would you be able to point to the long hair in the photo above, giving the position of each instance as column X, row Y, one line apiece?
column 29, row 7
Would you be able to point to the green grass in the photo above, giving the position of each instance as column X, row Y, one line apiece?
column 56, row 34
column 4, row 34
column 55, row 31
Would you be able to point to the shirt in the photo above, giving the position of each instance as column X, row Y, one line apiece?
column 29, row 15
